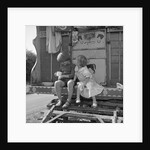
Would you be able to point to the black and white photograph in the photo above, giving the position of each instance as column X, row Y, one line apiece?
column 73, row 69
column 74, row 74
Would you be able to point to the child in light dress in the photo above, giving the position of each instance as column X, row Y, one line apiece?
column 87, row 86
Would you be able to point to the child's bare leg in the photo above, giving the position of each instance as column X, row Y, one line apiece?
column 78, row 95
column 58, row 87
column 94, row 102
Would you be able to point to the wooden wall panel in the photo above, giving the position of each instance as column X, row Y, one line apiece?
column 115, row 51
column 114, row 36
column 114, row 71
column 114, row 44
column 115, row 57
column 90, row 53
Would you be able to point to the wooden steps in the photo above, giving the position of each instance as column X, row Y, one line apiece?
column 108, row 93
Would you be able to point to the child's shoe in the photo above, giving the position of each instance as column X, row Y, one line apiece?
column 67, row 104
column 94, row 105
column 59, row 103
column 78, row 101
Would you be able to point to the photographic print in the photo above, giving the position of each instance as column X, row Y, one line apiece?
column 80, row 67
column 74, row 74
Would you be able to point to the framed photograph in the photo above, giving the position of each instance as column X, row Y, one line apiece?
column 53, row 96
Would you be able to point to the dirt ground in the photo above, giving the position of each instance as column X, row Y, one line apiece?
column 36, row 116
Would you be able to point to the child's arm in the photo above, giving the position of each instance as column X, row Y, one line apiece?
column 86, row 80
column 75, row 77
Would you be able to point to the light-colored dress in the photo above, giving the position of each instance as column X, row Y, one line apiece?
column 92, row 88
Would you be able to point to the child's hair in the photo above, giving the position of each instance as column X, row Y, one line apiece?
column 82, row 60
column 92, row 66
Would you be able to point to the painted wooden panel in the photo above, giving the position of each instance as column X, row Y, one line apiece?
column 90, row 53
column 91, row 40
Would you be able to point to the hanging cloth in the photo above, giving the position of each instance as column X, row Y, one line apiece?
column 53, row 40
column 58, row 41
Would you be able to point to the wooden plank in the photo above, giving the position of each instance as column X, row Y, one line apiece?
column 114, row 36
column 109, row 49
column 119, row 56
column 98, row 110
column 56, row 117
column 114, row 71
column 115, row 51
column 92, row 53
column 115, row 59
column 115, row 44
column 121, row 44
column 96, row 49
column 121, row 74
column 121, row 36
column 48, row 115
column 107, row 58
column 114, row 119
column 56, row 112
column 113, row 31
column 42, row 28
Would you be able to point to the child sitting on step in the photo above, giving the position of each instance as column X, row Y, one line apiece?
column 87, row 86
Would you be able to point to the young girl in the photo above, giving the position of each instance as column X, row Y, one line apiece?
column 87, row 86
